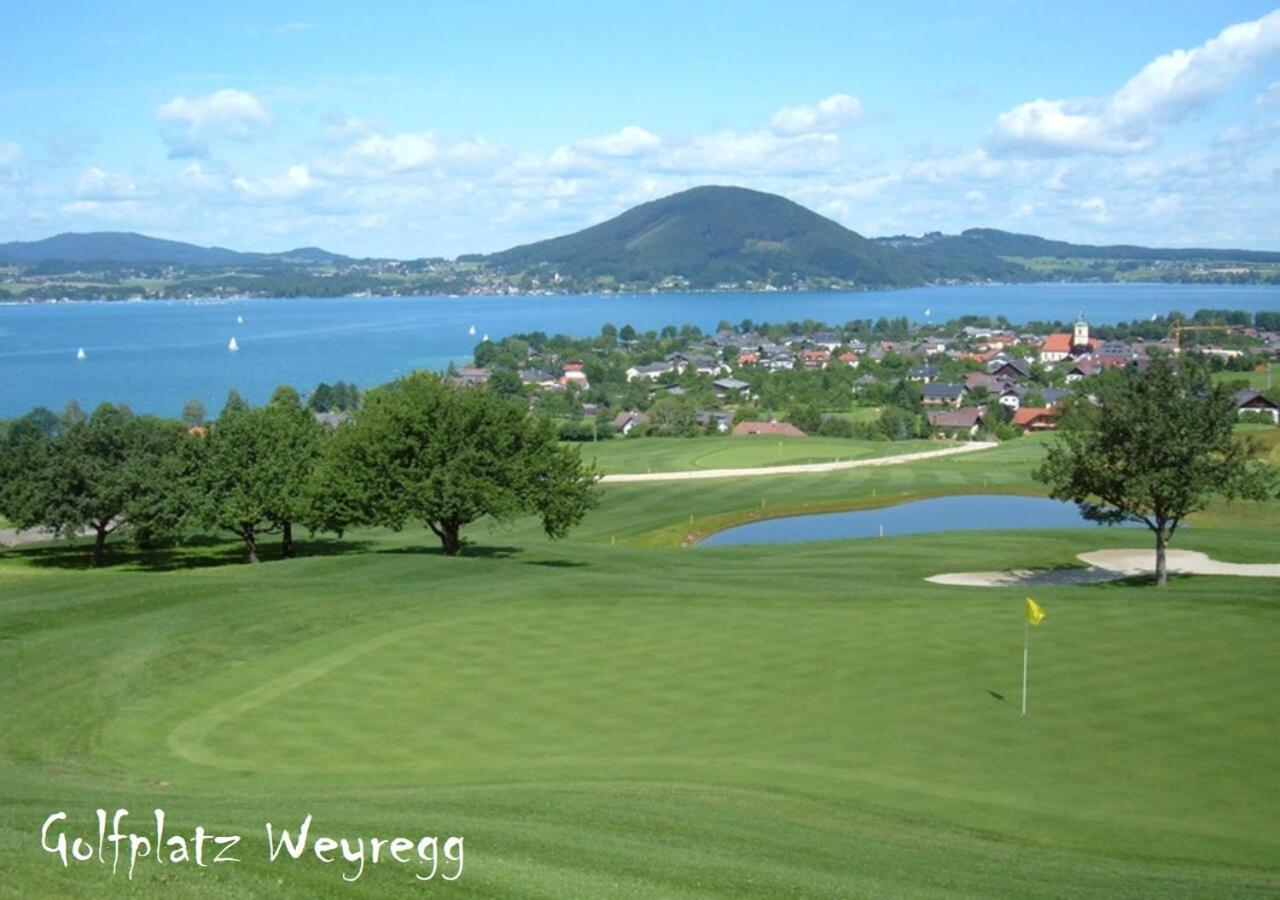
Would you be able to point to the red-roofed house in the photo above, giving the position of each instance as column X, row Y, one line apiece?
column 1036, row 418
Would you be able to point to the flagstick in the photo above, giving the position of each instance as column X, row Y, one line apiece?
column 1026, row 655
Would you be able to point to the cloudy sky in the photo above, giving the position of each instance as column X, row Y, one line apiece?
column 428, row 129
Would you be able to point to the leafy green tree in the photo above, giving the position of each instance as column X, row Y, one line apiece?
column 1157, row 447
column 506, row 382
column 235, row 404
column 424, row 450
column 673, row 417
column 194, row 413
column 257, row 468
column 90, row 475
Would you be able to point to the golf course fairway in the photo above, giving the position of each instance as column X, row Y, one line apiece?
column 618, row 715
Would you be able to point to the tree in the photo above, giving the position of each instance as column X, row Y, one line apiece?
column 89, row 476
column 1157, row 447
column 425, row 450
column 256, row 469
column 673, row 417
column 235, row 404
column 194, row 413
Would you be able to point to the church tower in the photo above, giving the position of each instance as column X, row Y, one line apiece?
column 1080, row 338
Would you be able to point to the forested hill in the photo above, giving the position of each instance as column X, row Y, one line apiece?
column 128, row 248
column 712, row 236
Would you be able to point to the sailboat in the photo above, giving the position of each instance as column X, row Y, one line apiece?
column 233, row 346
column 928, row 312
column 471, row 330
column 485, row 339
column 239, row 320
column 81, row 355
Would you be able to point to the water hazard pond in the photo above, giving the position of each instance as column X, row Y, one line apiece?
column 967, row 512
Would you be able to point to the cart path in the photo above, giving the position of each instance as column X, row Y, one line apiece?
column 798, row 468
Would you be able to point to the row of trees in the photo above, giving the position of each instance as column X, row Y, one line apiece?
column 422, row 450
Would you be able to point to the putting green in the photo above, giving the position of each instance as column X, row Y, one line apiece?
column 723, row 452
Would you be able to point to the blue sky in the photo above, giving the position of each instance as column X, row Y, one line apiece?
column 425, row 129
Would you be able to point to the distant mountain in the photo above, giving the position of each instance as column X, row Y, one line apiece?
column 127, row 248
column 994, row 254
column 714, row 235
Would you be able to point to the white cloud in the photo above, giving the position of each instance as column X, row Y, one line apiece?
column 1095, row 209
column 1132, row 119
column 289, row 185
column 394, row 153
column 105, row 187
column 830, row 114
column 1269, row 95
column 188, row 124
column 630, row 142
column 757, row 152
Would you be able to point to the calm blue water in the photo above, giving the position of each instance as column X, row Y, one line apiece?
column 971, row 512
column 155, row 355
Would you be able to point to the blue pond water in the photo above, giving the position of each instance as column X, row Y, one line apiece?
column 969, row 512
column 154, row 355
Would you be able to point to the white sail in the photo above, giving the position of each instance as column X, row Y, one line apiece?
column 471, row 330
column 80, row 354
column 233, row 346
column 485, row 338
column 239, row 320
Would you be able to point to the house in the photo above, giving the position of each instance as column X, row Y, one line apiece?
column 938, row 394
column 1009, row 367
column 1084, row 369
column 652, row 371
column 748, row 358
column 725, row 386
column 965, row 420
column 1061, row 345
column 538, row 377
column 720, row 421
column 777, row 429
column 850, row 359
column 1250, row 401
column 815, row 359
column 1053, row 397
column 779, row 361
column 827, row 340
column 864, row 382
column 705, row 365
column 573, row 374
column 931, row 346
column 1036, row 418
column 471, row 376
column 926, row 374
column 1011, row 396
column 983, row 380
column 623, row 422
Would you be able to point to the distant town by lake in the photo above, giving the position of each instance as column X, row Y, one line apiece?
column 156, row 354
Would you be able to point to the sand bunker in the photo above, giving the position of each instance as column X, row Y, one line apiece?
column 1110, row 565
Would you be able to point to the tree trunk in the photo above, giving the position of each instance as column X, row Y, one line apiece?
column 250, row 543
column 286, row 540
column 449, row 539
column 99, row 546
column 1162, row 573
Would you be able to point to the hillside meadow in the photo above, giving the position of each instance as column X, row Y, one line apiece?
column 621, row 715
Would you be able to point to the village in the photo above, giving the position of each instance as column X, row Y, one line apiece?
column 881, row 380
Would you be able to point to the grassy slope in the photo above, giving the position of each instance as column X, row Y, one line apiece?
column 672, row 455
column 636, row 721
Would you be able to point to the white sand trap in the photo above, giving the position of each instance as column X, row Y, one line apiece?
column 1110, row 565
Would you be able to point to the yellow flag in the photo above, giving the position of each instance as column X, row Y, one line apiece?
column 1035, row 612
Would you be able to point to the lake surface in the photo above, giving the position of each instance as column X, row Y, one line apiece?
column 969, row 512
column 156, row 354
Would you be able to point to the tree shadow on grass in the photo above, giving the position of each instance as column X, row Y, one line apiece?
column 203, row 552
column 469, row 551
column 555, row 563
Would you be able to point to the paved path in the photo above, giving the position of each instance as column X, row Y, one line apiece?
column 797, row 469
column 1111, row 565
column 12, row 537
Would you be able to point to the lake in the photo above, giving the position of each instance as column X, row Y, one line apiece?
column 969, row 512
column 156, row 354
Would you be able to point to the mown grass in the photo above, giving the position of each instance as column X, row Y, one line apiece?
column 632, row 719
